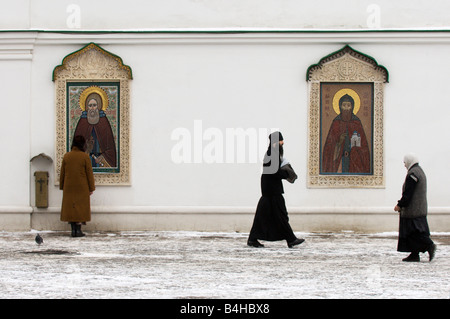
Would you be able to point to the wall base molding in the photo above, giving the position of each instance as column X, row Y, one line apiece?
column 216, row 218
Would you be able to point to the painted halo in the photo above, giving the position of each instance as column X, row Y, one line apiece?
column 92, row 90
column 340, row 94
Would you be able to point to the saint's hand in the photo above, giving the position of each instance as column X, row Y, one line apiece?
column 342, row 137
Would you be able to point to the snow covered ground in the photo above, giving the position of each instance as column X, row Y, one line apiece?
column 217, row 265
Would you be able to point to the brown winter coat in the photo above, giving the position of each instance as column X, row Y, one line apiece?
column 76, row 181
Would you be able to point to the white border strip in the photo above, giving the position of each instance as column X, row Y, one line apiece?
column 228, row 210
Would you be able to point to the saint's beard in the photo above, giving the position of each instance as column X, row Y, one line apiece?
column 93, row 116
column 346, row 115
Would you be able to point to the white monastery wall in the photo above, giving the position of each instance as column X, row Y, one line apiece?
column 219, row 14
column 221, row 80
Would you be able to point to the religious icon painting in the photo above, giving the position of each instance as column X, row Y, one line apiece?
column 346, row 128
column 93, row 112
column 92, row 100
column 346, row 121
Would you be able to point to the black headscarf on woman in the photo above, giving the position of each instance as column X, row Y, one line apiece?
column 274, row 151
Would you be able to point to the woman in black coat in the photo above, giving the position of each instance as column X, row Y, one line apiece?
column 271, row 220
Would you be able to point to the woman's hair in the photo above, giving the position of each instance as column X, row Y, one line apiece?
column 79, row 142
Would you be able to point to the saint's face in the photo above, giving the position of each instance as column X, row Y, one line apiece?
column 93, row 115
column 346, row 106
column 346, row 111
column 92, row 104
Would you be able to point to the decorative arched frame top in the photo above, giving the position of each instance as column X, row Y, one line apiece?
column 87, row 48
column 346, row 145
column 348, row 50
column 94, row 79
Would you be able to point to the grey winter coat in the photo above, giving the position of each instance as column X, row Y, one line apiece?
column 414, row 196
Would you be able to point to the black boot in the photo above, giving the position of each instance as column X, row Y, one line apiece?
column 297, row 241
column 431, row 251
column 74, row 229
column 413, row 257
column 79, row 233
column 254, row 243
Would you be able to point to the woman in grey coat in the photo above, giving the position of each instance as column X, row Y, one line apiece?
column 414, row 234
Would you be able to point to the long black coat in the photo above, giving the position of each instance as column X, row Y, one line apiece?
column 271, row 184
column 271, row 179
column 271, row 220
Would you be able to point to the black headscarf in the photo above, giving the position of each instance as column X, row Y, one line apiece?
column 274, row 151
column 276, row 137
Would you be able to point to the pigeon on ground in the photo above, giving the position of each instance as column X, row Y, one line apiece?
column 38, row 239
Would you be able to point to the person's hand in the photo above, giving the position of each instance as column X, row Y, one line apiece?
column 397, row 208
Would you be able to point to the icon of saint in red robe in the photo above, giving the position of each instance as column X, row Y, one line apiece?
column 346, row 150
column 97, row 131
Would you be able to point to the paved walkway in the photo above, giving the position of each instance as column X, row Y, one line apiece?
column 217, row 265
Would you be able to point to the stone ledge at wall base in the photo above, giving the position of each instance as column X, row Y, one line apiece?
column 220, row 219
column 15, row 218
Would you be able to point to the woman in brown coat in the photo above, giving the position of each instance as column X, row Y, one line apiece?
column 77, row 182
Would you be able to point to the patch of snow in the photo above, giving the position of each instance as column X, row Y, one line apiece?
column 189, row 264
